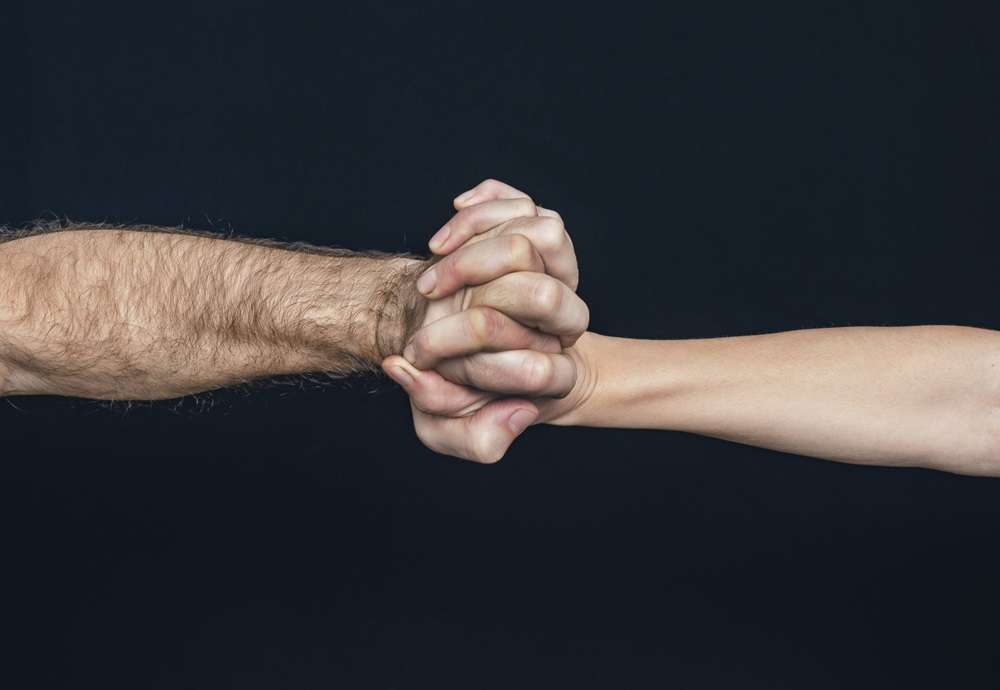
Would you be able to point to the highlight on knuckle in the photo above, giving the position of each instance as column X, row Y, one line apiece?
column 449, row 271
column 546, row 296
column 422, row 344
column 574, row 280
column 584, row 316
column 526, row 207
column 484, row 448
column 539, row 373
column 551, row 233
column 520, row 251
column 485, row 324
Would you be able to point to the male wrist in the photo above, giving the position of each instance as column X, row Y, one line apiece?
column 398, row 307
column 363, row 308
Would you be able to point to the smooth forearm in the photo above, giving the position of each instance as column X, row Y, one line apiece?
column 120, row 314
column 926, row 396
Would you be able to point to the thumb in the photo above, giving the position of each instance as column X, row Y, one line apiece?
column 432, row 393
column 490, row 432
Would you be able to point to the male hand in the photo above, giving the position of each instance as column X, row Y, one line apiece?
column 502, row 306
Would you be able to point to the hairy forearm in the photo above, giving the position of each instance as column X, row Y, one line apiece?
column 922, row 396
column 147, row 314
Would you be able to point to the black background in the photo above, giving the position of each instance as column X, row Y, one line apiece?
column 724, row 168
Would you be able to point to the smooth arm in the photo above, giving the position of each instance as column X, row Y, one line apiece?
column 925, row 396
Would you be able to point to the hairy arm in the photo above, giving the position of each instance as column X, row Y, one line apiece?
column 925, row 396
column 151, row 313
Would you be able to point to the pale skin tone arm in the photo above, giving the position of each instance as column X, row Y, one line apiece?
column 923, row 396
column 460, row 338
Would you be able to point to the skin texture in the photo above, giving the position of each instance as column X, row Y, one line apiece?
column 924, row 396
column 494, row 341
column 150, row 313
column 450, row 367
column 145, row 313
column 921, row 396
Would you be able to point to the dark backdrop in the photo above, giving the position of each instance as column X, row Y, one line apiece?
column 724, row 169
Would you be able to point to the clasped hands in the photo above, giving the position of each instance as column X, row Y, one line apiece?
column 494, row 352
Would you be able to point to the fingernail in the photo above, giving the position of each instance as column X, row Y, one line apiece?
column 465, row 196
column 401, row 376
column 409, row 353
column 426, row 282
column 440, row 237
column 521, row 420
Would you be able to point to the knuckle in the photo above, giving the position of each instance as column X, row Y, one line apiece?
column 484, row 448
column 551, row 233
column 546, row 296
column 453, row 270
column 459, row 224
column 520, row 251
column 464, row 219
column 478, row 219
column 484, row 323
column 539, row 373
column 431, row 402
column 585, row 319
column 525, row 207
column 422, row 343
column 574, row 280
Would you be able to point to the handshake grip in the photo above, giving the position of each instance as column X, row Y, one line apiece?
column 492, row 353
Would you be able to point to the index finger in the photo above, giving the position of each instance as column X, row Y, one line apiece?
column 477, row 219
column 488, row 190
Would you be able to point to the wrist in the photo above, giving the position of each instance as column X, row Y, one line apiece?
column 191, row 313
column 369, row 308
column 398, row 307
column 576, row 408
column 626, row 383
